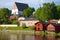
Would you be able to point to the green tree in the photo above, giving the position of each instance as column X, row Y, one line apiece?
column 38, row 13
column 15, row 21
column 54, row 10
column 44, row 13
column 47, row 12
column 58, row 11
column 28, row 12
column 24, row 26
column 4, row 13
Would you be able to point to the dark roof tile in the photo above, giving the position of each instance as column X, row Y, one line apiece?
column 29, row 19
column 21, row 6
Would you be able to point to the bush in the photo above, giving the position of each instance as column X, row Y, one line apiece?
column 30, row 28
column 24, row 26
column 15, row 21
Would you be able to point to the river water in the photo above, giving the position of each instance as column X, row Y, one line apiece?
column 26, row 36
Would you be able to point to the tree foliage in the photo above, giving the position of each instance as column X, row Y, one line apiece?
column 15, row 21
column 4, row 14
column 47, row 12
column 58, row 11
column 23, row 26
column 54, row 10
column 28, row 12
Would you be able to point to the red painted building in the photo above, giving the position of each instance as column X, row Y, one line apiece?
column 38, row 26
column 53, row 27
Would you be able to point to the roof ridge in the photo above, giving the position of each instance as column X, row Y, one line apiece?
column 20, row 3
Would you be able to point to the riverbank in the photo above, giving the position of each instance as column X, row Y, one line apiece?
column 16, row 28
column 19, row 31
column 31, row 32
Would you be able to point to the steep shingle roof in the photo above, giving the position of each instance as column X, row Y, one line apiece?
column 21, row 6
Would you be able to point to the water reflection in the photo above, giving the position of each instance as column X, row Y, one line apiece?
column 58, row 37
column 10, row 36
column 39, row 37
column 21, row 37
column 50, row 37
column 4, row 36
column 13, row 37
column 46, row 37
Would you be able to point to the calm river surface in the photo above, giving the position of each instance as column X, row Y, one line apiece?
column 26, row 36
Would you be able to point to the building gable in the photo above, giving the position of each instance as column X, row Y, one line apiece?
column 21, row 6
column 51, row 27
column 14, row 6
column 38, row 26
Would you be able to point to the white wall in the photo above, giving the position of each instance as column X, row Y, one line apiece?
column 28, row 23
column 8, row 25
column 15, row 11
column 58, row 21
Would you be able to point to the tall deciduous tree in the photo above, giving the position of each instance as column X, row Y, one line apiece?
column 4, row 13
column 47, row 12
column 58, row 11
column 54, row 10
column 28, row 12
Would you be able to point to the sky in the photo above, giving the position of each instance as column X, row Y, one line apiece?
column 32, row 3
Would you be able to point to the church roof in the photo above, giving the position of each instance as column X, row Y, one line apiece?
column 21, row 6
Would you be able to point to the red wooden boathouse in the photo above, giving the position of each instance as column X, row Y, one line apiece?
column 38, row 26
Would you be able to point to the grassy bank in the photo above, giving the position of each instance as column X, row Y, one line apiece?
column 16, row 28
